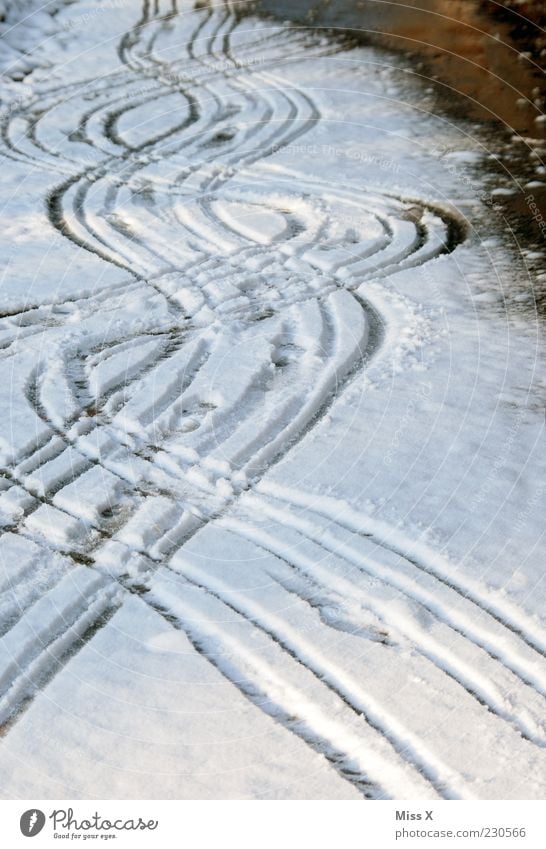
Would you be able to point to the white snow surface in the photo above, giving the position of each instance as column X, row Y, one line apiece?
column 272, row 488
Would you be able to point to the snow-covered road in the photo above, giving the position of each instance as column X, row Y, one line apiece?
column 271, row 491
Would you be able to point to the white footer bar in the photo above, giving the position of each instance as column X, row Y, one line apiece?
column 274, row 825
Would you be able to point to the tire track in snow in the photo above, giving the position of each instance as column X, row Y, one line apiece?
column 266, row 687
column 440, row 650
column 53, row 630
column 275, row 116
column 418, row 554
column 292, row 641
column 530, row 727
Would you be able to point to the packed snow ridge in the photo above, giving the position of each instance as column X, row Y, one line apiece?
column 270, row 491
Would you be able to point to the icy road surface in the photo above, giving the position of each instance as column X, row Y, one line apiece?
column 271, row 490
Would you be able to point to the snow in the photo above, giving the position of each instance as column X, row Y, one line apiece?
column 271, row 490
